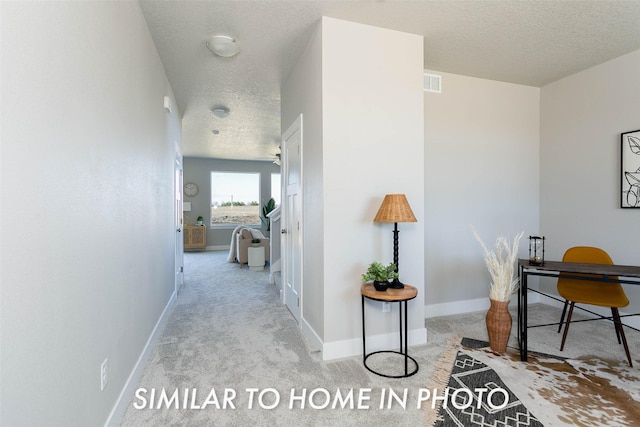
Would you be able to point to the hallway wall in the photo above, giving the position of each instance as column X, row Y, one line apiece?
column 87, row 258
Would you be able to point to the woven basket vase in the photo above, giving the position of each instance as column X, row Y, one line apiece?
column 498, row 325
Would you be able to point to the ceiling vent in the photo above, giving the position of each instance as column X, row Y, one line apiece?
column 432, row 83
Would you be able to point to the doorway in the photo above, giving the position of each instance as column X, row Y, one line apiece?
column 179, row 222
column 292, row 217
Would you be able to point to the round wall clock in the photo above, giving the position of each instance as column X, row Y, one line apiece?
column 190, row 189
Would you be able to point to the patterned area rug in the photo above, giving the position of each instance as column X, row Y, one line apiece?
column 546, row 390
column 492, row 403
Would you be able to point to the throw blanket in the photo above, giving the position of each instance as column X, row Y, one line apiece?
column 232, row 245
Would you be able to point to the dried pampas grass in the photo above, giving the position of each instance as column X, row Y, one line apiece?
column 502, row 262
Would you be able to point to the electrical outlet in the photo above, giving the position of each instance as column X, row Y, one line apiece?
column 104, row 374
column 386, row 306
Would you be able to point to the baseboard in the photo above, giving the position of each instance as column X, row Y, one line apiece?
column 217, row 248
column 353, row 347
column 469, row 306
column 130, row 385
column 313, row 340
column 273, row 270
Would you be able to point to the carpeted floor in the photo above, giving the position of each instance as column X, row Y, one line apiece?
column 229, row 336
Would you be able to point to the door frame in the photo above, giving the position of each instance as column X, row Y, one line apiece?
column 284, row 182
column 178, row 220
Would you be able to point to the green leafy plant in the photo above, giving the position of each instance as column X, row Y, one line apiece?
column 377, row 272
column 266, row 210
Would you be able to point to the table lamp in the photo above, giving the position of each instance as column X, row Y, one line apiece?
column 395, row 208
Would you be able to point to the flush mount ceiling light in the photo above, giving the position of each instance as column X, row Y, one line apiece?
column 220, row 112
column 223, row 46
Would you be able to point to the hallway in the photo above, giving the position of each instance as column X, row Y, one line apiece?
column 229, row 333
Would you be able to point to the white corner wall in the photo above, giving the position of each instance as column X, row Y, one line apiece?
column 482, row 169
column 582, row 117
column 87, row 246
column 359, row 89
column 373, row 126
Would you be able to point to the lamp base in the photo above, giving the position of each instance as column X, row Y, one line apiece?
column 396, row 284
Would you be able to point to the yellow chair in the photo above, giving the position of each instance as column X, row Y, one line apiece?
column 602, row 294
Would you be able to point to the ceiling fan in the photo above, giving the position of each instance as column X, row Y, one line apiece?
column 276, row 158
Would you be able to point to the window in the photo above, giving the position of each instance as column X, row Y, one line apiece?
column 275, row 187
column 235, row 198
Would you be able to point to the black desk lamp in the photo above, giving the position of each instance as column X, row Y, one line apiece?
column 395, row 208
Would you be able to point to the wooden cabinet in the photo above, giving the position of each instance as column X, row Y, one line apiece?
column 195, row 237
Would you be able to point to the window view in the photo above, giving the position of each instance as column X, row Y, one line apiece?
column 235, row 198
column 275, row 187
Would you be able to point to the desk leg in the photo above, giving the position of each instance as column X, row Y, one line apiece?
column 364, row 340
column 519, row 306
column 523, row 320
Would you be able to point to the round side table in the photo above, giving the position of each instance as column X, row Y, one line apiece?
column 401, row 296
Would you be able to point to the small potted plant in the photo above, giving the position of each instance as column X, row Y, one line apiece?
column 200, row 219
column 380, row 275
column 255, row 242
column 266, row 210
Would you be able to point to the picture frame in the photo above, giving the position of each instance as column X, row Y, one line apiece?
column 630, row 169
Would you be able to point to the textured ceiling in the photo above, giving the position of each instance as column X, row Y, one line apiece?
column 525, row 42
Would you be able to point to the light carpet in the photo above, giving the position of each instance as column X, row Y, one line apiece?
column 228, row 332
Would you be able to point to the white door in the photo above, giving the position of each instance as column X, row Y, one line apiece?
column 178, row 215
column 292, row 217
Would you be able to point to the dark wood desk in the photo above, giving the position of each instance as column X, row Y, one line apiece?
column 626, row 274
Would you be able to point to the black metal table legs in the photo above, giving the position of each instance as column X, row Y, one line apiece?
column 404, row 348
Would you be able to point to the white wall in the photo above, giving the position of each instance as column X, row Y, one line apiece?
column 373, row 145
column 481, row 169
column 87, row 206
column 582, row 117
column 366, row 141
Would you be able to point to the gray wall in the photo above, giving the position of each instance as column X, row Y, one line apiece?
column 581, row 121
column 87, row 223
column 199, row 170
column 482, row 169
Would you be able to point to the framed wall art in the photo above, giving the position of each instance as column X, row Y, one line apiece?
column 630, row 169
